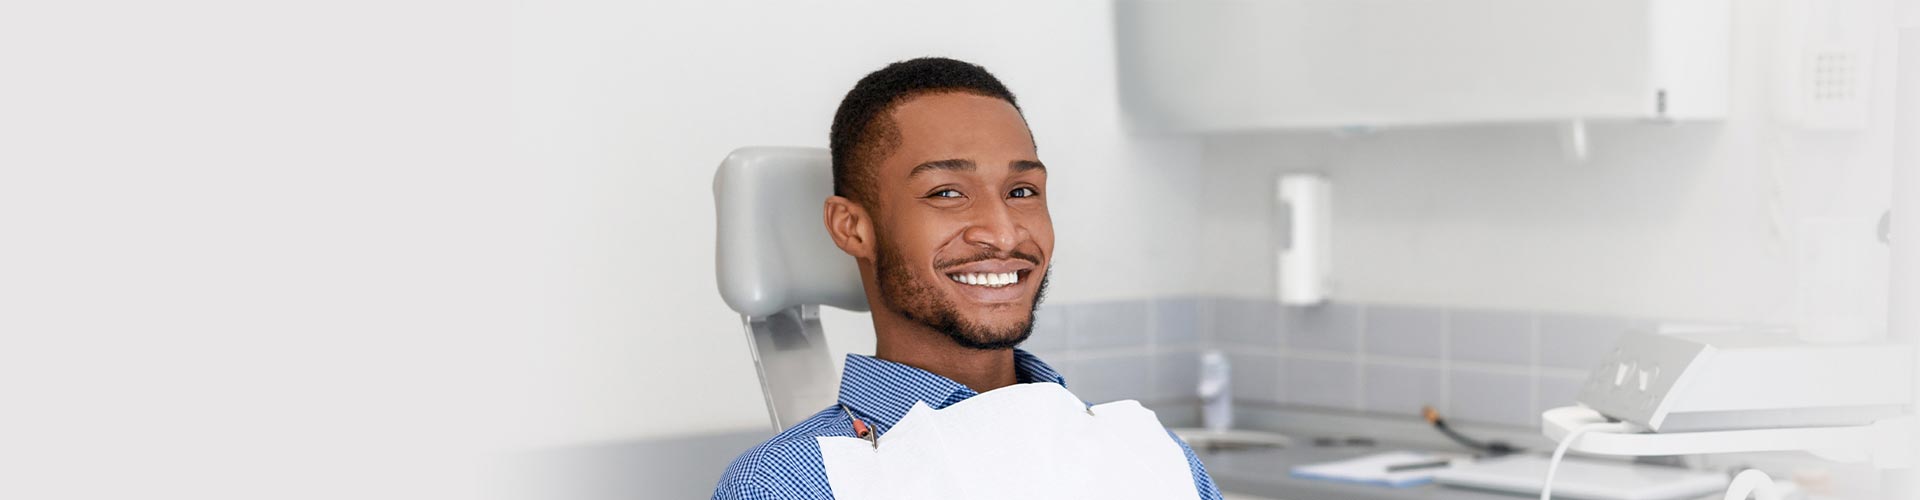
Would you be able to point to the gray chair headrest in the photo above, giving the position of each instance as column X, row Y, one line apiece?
column 773, row 250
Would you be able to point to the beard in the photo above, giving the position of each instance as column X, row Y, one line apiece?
column 922, row 303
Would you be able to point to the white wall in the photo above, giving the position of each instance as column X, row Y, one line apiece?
column 352, row 246
column 628, row 106
column 256, row 250
column 1692, row 221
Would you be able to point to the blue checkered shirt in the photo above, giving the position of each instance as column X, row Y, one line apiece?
column 880, row 392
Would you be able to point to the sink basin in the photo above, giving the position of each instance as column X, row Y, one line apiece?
column 1207, row 441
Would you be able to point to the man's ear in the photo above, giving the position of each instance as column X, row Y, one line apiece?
column 850, row 226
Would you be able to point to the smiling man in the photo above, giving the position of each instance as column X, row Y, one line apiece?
column 940, row 196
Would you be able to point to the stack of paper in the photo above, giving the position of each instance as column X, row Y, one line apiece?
column 1372, row 469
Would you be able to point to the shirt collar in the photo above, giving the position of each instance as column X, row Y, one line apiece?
column 882, row 391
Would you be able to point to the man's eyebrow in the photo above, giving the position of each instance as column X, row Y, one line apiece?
column 953, row 164
column 965, row 165
column 1025, row 165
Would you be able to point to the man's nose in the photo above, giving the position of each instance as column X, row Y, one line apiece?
column 995, row 226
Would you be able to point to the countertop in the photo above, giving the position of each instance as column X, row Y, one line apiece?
column 1264, row 473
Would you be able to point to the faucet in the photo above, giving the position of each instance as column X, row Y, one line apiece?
column 1216, row 392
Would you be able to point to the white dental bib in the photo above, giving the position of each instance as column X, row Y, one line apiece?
column 1021, row 441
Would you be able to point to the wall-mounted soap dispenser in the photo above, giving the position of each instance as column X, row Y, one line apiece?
column 1306, row 208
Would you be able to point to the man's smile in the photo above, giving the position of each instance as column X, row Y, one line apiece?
column 993, row 280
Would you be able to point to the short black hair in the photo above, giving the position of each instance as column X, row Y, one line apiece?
column 863, row 133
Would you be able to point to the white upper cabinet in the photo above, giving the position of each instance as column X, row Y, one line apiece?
column 1228, row 65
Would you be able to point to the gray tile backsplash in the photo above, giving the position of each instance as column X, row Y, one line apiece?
column 1551, row 391
column 1490, row 397
column 1490, row 337
column 1322, row 383
column 1326, row 327
column 1484, row 366
column 1578, row 342
column 1176, row 375
column 1177, row 322
column 1246, row 322
column 1100, row 380
column 1256, row 377
column 1413, row 332
column 1108, row 324
column 1049, row 330
column 1402, row 390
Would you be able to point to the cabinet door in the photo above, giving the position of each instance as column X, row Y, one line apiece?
column 1240, row 64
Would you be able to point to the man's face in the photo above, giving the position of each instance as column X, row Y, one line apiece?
column 963, row 235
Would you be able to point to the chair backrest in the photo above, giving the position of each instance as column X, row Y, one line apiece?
column 776, row 266
column 774, row 252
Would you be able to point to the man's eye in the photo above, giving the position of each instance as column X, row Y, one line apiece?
column 1024, row 192
column 946, row 193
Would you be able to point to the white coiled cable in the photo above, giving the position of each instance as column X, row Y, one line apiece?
column 1559, row 452
column 1753, row 482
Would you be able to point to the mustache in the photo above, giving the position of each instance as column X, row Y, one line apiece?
column 1010, row 254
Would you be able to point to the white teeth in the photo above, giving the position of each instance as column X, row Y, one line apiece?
column 994, row 280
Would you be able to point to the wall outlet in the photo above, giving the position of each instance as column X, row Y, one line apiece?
column 1828, row 55
column 1835, row 88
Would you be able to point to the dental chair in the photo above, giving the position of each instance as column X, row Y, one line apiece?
column 776, row 267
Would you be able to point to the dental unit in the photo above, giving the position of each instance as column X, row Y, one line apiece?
column 1666, row 393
